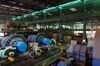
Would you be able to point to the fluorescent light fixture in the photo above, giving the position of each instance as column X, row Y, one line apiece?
column 73, row 9
column 25, row 15
column 6, row 6
column 12, row 2
column 22, row 9
column 15, row 7
column 1, row 34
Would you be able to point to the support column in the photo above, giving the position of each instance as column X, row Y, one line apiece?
column 84, row 30
column 60, row 25
column 45, row 22
column 96, row 49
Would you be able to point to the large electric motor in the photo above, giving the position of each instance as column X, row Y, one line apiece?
column 39, row 38
column 15, row 42
column 8, row 51
column 39, row 44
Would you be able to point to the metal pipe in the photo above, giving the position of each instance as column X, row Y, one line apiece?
column 93, row 3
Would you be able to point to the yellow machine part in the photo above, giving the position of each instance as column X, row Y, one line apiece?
column 11, row 59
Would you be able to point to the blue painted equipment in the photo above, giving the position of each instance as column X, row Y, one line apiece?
column 32, row 38
column 12, row 44
column 46, row 41
column 68, row 62
column 21, row 47
column 39, row 38
column 78, row 52
column 10, row 40
column 61, row 63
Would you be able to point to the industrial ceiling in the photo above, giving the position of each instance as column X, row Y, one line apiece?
column 19, row 7
column 10, row 8
column 77, row 8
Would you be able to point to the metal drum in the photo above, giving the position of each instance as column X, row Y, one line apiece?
column 39, row 38
column 7, row 40
column 3, row 41
column 16, row 40
column 32, row 38
column 83, row 54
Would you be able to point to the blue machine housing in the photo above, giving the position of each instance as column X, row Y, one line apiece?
column 46, row 41
column 21, row 47
column 32, row 38
column 12, row 44
column 16, row 40
column 39, row 39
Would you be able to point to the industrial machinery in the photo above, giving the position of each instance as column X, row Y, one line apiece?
column 35, row 50
column 17, row 44
column 39, row 44
column 16, row 48
column 13, row 46
column 39, row 38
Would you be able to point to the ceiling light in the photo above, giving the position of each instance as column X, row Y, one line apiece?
column 22, row 9
column 12, row 2
column 73, row 9
column 5, row 6
column 25, row 15
column 15, row 7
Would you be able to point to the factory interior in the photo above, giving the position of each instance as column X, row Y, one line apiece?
column 49, row 32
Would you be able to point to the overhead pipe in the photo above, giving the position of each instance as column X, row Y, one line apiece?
column 73, row 4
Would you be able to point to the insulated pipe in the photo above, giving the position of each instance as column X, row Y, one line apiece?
column 93, row 3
